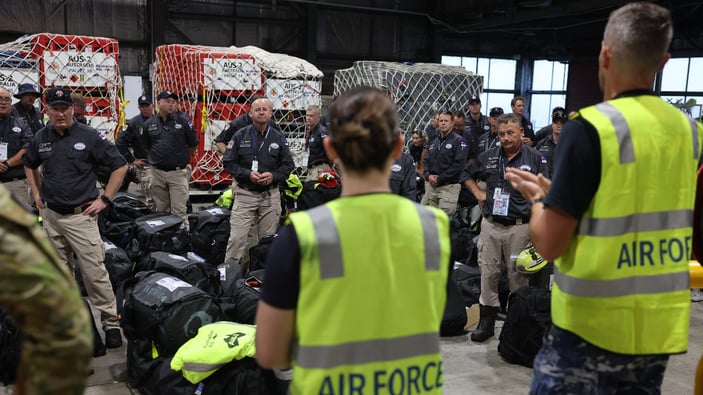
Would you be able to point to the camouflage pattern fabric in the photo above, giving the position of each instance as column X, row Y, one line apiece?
column 566, row 364
column 42, row 298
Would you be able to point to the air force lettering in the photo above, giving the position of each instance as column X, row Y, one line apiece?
column 408, row 380
column 347, row 280
column 654, row 252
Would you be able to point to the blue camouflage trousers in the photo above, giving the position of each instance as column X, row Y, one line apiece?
column 566, row 364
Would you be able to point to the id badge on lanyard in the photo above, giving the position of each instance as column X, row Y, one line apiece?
column 501, row 202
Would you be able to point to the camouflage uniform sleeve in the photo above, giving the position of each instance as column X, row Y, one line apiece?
column 40, row 295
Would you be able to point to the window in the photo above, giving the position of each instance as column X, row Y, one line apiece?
column 548, row 91
column 681, row 81
column 498, row 79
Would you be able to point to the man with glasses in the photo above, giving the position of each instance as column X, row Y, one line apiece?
column 130, row 138
column 15, row 136
column 69, row 201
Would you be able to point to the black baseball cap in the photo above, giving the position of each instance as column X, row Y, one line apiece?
column 495, row 111
column 166, row 94
column 58, row 96
column 559, row 116
column 474, row 99
column 144, row 100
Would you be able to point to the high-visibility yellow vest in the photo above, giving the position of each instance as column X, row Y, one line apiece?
column 623, row 283
column 214, row 346
column 373, row 277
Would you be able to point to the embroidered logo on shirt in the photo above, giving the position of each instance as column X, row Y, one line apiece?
column 525, row 167
column 79, row 146
column 16, row 129
column 396, row 168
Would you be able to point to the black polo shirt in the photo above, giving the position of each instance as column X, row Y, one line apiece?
column 490, row 166
column 546, row 148
column 478, row 128
column 70, row 162
column 403, row 177
column 167, row 142
column 32, row 117
column 446, row 157
column 16, row 134
column 487, row 141
column 316, row 151
column 527, row 128
column 131, row 137
column 270, row 149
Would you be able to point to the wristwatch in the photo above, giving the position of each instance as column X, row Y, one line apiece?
column 105, row 199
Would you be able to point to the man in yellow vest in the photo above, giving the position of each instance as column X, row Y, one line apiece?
column 618, row 216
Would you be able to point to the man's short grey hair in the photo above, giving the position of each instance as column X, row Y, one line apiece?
column 639, row 35
column 315, row 109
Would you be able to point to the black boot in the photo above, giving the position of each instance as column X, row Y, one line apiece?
column 486, row 325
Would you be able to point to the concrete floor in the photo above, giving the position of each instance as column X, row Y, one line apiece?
column 468, row 368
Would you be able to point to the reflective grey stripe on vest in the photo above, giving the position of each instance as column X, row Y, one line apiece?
column 659, row 283
column 201, row 367
column 622, row 131
column 694, row 129
column 369, row 351
column 431, row 235
column 641, row 222
column 329, row 245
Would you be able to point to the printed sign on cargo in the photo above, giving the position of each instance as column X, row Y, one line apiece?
column 10, row 78
column 73, row 68
column 293, row 94
column 231, row 74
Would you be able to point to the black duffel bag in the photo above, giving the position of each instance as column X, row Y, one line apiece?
column 118, row 265
column 165, row 310
column 158, row 232
column 126, row 207
column 198, row 274
column 210, row 236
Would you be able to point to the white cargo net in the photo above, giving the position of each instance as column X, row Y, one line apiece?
column 419, row 90
column 82, row 64
column 215, row 85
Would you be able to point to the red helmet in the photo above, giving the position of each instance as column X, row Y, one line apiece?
column 328, row 178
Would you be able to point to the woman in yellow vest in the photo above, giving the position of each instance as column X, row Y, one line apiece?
column 618, row 215
column 354, row 290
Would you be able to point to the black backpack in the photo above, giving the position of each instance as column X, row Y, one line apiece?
column 158, row 232
column 10, row 349
column 246, row 297
column 210, row 235
column 259, row 253
column 468, row 278
column 528, row 319
column 454, row 318
column 464, row 242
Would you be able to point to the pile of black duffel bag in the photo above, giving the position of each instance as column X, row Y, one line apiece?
column 169, row 283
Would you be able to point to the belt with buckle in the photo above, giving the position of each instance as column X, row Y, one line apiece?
column 65, row 210
column 170, row 168
column 507, row 221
